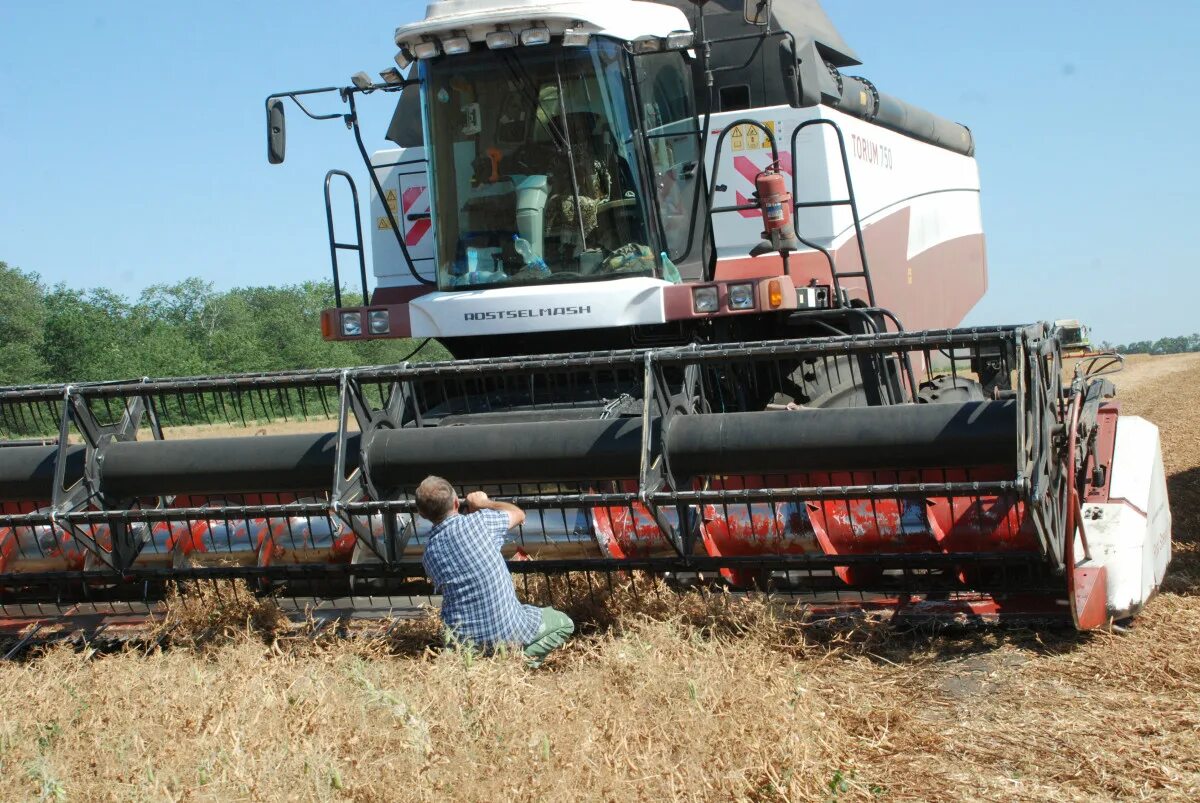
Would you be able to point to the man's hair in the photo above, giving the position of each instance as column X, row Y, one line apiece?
column 435, row 498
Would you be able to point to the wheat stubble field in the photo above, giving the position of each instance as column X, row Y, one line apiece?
column 666, row 698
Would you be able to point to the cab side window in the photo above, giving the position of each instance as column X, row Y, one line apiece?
column 674, row 140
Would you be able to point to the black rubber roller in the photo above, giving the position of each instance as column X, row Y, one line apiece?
column 555, row 451
column 222, row 465
column 845, row 439
column 27, row 472
column 900, row 437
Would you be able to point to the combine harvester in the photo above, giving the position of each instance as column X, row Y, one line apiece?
column 701, row 289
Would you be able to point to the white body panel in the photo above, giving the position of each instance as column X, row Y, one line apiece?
column 890, row 171
column 1131, row 535
column 539, row 308
column 403, row 174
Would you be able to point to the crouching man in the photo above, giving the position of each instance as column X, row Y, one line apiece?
column 463, row 560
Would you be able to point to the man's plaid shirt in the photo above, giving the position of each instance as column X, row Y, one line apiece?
column 478, row 600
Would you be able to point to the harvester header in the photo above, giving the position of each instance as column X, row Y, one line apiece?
column 704, row 296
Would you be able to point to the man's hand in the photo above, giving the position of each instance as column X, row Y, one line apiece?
column 478, row 500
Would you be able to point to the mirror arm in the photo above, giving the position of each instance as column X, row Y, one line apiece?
column 352, row 123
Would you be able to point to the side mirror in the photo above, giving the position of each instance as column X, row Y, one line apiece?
column 756, row 12
column 276, row 131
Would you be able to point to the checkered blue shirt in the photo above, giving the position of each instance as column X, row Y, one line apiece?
column 478, row 600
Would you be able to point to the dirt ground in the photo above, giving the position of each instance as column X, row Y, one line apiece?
column 678, row 698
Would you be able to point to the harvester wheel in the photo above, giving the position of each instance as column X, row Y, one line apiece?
column 825, row 382
column 950, row 389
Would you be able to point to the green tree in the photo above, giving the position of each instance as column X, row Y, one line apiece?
column 87, row 335
column 180, row 329
column 22, row 322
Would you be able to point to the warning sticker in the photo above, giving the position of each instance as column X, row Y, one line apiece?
column 390, row 200
column 752, row 136
column 384, row 223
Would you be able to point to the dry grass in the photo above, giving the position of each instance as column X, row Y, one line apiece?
column 662, row 697
column 204, row 616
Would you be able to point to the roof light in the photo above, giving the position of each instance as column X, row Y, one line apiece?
column 391, row 75
column 498, row 40
column 535, row 36
column 574, row 38
column 678, row 40
column 403, row 59
column 361, row 80
column 427, row 50
column 456, row 45
column 647, row 44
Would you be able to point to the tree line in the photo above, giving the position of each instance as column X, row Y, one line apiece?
column 1164, row 345
column 61, row 334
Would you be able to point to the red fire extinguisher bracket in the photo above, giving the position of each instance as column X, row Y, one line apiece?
column 775, row 203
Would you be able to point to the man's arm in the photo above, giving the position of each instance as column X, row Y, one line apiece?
column 478, row 500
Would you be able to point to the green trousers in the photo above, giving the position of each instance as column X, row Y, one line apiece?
column 553, row 632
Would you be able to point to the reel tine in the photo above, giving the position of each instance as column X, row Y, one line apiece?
column 237, row 398
column 284, row 402
column 203, row 407
column 219, row 399
column 264, row 402
column 323, row 394
column 181, row 399
column 303, row 402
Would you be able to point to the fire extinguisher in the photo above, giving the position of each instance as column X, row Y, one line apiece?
column 775, row 202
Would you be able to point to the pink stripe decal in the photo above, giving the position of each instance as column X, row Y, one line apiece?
column 746, row 168
column 410, row 197
column 419, row 229
column 746, row 213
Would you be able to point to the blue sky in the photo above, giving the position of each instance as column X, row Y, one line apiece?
column 132, row 148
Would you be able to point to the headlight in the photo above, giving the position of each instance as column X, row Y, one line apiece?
column 427, row 50
column 497, row 40
column 704, row 299
column 378, row 322
column 351, row 324
column 535, row 36
column 741, row 296
column 456, row 45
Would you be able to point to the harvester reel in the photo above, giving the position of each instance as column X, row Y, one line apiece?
column 357, row 483
column 639, row 460
column 87, row 489
column 1042, row 442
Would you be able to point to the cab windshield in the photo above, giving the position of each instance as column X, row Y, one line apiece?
column 535, row 175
